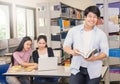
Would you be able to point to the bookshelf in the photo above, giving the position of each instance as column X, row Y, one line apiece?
column 114, row 56
column 112, row 24
column 63, row 17
column 54, row 20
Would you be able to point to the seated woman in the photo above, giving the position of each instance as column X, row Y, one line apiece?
column 43, row 51
column 21, row 57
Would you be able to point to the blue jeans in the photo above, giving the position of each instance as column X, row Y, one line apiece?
column 83, row 78
column 45, row 79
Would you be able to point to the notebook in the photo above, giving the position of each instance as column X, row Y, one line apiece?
column 49, row 63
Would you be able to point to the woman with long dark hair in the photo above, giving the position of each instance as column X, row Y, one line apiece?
column 43, row 51
column 21, row 56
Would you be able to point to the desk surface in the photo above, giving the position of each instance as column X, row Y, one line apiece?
column 60, row 72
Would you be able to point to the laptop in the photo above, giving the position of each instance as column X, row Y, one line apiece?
column 49, row 63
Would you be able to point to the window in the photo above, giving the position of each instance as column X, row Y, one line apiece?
column 21, row 25
column 4, row 21
column 30, row 22
column 25, row 22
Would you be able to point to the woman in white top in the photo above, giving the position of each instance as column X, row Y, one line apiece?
column 43, row 51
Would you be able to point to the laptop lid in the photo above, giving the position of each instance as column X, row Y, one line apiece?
column 49, row 63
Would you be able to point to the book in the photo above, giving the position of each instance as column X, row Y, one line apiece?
column 89, row 54
column 66, row 23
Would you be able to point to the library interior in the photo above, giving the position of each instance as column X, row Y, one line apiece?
column 41, row 41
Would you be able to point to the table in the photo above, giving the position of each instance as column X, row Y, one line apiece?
column 61, row 71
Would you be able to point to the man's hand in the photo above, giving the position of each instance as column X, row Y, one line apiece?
column 92, row 58
column 73, row 52
column 99, row 57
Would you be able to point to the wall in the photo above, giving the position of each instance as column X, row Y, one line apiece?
column 80, row 4
column 102, row 1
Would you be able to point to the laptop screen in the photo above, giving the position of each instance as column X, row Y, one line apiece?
column 49, row 63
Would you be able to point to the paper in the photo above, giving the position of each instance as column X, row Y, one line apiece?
column 89, row 54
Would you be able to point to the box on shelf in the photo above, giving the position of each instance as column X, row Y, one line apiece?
column 114, row 41
column 114, row 52
column 115, row 70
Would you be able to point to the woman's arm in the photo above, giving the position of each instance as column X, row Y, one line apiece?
column 21, row 62
column 25, row 64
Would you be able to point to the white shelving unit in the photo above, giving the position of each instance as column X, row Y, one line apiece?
column 63, row 17
column 114, row 61
column 114, row 42
column 55, row 19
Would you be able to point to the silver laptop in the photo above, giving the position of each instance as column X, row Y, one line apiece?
column 49, row 63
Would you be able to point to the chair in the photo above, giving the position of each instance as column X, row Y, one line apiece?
column 3, row 69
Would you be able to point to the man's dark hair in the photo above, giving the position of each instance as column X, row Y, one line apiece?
column 93, row 9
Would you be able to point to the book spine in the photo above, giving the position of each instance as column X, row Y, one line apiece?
column 60, row 23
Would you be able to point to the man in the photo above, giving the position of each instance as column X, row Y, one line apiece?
column 84, row 38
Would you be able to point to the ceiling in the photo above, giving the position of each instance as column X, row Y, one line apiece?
column 109, row 1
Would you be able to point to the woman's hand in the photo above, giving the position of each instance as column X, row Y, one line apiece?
column 33, row 66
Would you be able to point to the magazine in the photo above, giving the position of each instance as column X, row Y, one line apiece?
column 89, row 54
